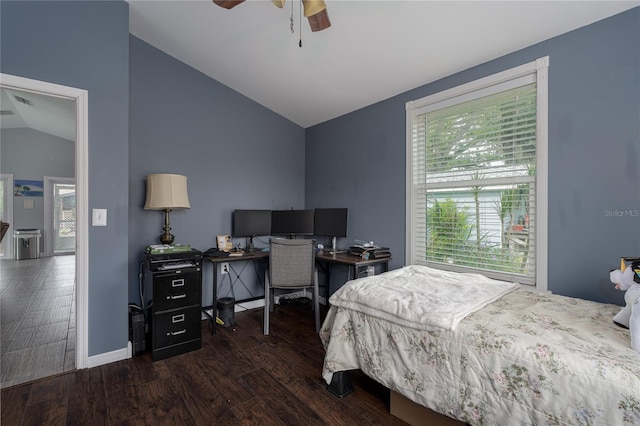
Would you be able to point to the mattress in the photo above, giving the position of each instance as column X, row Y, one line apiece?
column 529, row 358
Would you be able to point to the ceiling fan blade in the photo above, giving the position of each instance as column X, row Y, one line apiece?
column 316, row 12
column 228, row 4
column 319, row 21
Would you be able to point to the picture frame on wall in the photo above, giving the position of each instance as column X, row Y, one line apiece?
column 28, row 188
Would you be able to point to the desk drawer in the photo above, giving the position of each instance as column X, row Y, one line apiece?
column 175, row 289
column 177, row 326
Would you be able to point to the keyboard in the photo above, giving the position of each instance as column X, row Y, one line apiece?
column 214, row 252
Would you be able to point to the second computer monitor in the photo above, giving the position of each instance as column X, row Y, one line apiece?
column 292, row 222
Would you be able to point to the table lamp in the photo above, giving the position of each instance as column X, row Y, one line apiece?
column 166, row 192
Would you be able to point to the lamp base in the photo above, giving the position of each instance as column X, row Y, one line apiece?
column 167, row 238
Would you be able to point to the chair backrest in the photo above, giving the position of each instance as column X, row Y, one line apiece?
column 291, row 263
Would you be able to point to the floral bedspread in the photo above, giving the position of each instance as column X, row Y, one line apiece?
column 529, row 358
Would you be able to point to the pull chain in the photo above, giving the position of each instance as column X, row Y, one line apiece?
column 300, row 24
column 291, row 18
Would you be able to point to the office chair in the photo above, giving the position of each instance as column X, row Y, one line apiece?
column 291, row 266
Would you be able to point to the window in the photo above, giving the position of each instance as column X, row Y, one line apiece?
column 477, row 177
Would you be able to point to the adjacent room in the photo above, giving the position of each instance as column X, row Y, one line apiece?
column 366, row 109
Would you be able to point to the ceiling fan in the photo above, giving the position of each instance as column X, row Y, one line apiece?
column 314, row 10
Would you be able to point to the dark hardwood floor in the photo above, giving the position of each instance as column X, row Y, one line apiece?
column 238, row 377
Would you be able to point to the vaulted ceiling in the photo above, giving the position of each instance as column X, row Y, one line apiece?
column 373, row 49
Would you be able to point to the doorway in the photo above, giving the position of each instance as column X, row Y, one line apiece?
column 67, row 258
column 60, row 215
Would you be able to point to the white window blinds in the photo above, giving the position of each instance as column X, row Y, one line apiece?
column 473, row 159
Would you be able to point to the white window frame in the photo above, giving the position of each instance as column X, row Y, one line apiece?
column 538, row 70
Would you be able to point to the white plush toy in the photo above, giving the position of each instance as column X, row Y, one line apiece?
column 629, row 316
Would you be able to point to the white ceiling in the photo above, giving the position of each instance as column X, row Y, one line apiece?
column 372, row 51
column 48, row 114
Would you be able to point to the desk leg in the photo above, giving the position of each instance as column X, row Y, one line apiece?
column 356, row 271
column 327, row 290
column 214, row 307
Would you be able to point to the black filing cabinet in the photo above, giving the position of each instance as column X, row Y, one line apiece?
column 176, row 281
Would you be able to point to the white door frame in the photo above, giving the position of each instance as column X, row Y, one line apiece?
column 80, row 97
column 8, row 238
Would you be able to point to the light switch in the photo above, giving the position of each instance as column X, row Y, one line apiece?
column 99, row 217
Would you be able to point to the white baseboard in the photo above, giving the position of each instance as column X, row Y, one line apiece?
column 109, row 357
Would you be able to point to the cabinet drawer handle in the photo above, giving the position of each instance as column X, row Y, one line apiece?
column 177, row 296
column 177, row 318
column 175, row 333
column 177, row 283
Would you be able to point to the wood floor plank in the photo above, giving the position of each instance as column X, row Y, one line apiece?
column 162, row 416
column 131, row 399
column 199, row 391
column 257, row 412
column 87, row 403
column 14, row 402
column 51, row 388
column 50, row 413
column 284, row 403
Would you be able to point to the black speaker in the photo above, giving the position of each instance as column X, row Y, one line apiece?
column 137, row 333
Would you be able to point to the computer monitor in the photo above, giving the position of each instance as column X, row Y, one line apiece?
column 331, row 223
column 292, row 222
column 251, row 223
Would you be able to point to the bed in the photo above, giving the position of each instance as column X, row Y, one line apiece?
column 519, row 357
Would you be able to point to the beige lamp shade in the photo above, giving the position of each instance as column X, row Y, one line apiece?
column 166, row 191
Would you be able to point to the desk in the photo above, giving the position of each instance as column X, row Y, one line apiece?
column 253, row 256
column 355, row 263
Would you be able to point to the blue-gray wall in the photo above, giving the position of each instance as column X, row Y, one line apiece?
column 86, row 45
column 30, row 155
column 358, row 160
column 235, row 153
column 238, row 154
